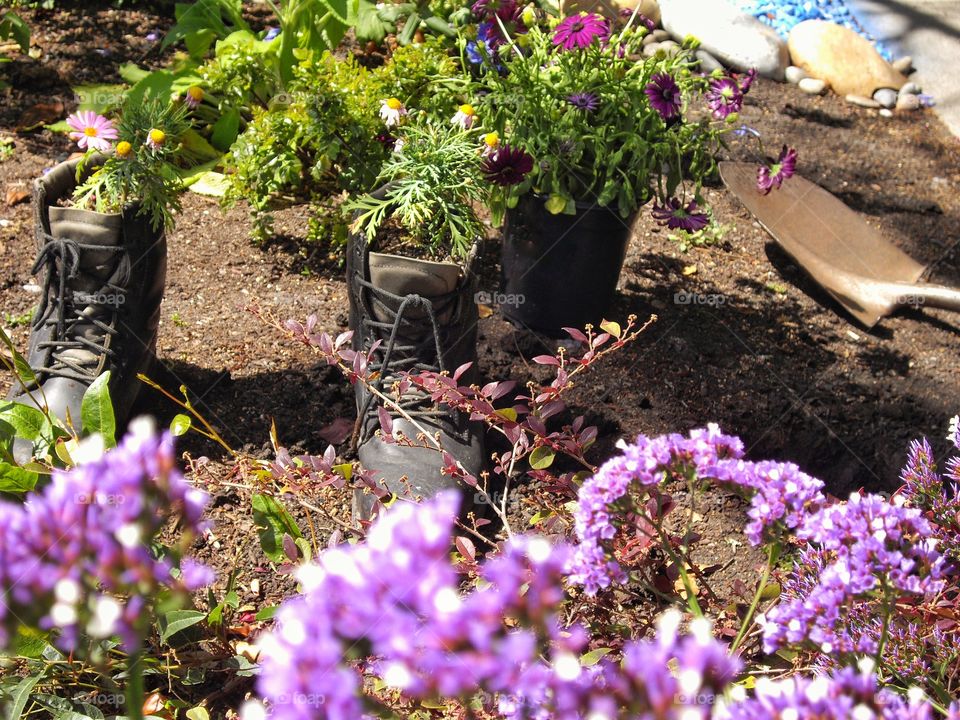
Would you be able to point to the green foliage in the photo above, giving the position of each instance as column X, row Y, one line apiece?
column 13, row 27
column 621, row 153
column 432, row 184
column 274, row 524
column 243, row 72
column 146, row 174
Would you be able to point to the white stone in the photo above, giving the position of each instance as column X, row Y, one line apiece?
column 708, row 63
column 908, row 101
column 911, row 88
column 903, row 65
column 862, row 101
column 738, row 40
column 813, row 86
column 887, row 97
column 886, row 112
column 795, row 74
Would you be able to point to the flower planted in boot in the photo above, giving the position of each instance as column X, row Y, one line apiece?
column 415, row 313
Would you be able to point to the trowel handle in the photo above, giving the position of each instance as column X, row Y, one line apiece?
column 934, row 295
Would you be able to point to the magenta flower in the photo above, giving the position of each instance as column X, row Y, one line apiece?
column 91, row 131
column 724, row 97
column 579, row 31
column 677, row 217
column 507, row 166
column 664, row 95
column 748, row 80
column 772, row 176
column 507, row 10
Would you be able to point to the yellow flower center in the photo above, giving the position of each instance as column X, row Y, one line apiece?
column 195, row 92
column 394, row 104
column 157, row 136
column 90, row 131
column 491, row 139
column 123, row 148
column 468, row 110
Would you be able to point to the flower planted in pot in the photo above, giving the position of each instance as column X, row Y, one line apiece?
column 411, row 281
column 100, row 223
column 591, row 131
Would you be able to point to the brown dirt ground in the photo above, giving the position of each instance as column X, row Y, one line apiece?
column 777, row 363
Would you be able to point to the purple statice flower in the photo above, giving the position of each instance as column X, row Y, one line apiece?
column 664, row 95
column 476, row 52
column 772, row 176
column 620, row 486
column 271, row 33
column 675, row 216
column 586, row 101
column 579, row 31
column 781, row 495
column 507, row 166
column 867, row 545
column 69, row 553
column 745, row 130
column 724, row 97
column 850, row 694
column 153, row 36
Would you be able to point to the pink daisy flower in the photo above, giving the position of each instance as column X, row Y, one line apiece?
column 92, row 131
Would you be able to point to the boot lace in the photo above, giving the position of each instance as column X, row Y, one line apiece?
column 75, row 312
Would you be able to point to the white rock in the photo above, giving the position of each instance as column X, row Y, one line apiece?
column 708, row 63
column 886, row 112
column 738, row 40
column 862, row 101
column 660, row 34
column 651, row 49
column 795, row 74
column 908, row 101
column 813, row 86
column 903, row 65
column 886, row 97
column 911, row 88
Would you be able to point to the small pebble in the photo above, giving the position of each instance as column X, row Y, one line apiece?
column 32, row 288
column 903, row 65
column 886, row 112
column 651, row 49
column 795, row 74
column 671, row 48
column 661, row 34
column 649, row 39
column 887, row 97
column 862, row 101
column 708, row 63
column 908, row 102
column 911, row 88
column 812, row 86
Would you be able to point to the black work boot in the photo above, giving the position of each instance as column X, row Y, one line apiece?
column 103, row 281
column 425, row 316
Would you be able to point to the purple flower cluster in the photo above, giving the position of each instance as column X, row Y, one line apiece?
column 392, row 603
column 780, row 494
column 76, row 557
column 850, row 694
column 868, row 547
column 725, row 94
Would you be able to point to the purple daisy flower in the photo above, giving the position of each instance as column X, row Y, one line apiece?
column 664, row 94
column 724, row 97
column 677, row 217
column 772, row 176
column 579, row 31
column 507, row 166
column 584, row 101
column 506, row 9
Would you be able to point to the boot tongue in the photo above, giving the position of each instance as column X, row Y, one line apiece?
column 403, row 276
column 96, row 267
column 86, row 227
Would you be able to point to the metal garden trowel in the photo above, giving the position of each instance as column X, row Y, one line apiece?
column 866, row 274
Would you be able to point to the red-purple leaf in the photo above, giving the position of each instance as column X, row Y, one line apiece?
column 337, row 431
column 466, row 548
column 386, row 422
column 546, row 360
column 576, row 334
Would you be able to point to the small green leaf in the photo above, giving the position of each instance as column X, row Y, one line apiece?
column 29, row 642
column 594, row 656
column 344, row 470
column 508, row 414
column 267, row 613
column 27, row 421
column 556, row 204
column 15, row 479
column 177, row 621
column 96, row 411
column 20, row 695
column 273, row 521
column 225, row 130
column 180, row 425
column 197, row 713
column 21, row 366
column 770, row 591
column 608, row 326
column 541, row 458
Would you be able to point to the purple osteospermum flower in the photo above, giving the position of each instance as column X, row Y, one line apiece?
column 748, row 80
column 505, row 9
column 507, row 166
column 664, row 95
column 772, row 176
column 91, row 131
column 579, row 31
column 584, row 101
column 724, row 97
column 677, row 217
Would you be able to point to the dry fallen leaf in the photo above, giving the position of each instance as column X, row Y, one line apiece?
column 40, row 114
column 16, row 195
column 485, row 311
column 689, row 269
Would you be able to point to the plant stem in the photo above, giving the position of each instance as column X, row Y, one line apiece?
column 134, row 688
column 772, row 554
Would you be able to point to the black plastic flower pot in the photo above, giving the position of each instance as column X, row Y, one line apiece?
column 560, row 271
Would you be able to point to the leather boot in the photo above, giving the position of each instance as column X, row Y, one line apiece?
column 425, row 317
column 103, row 282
